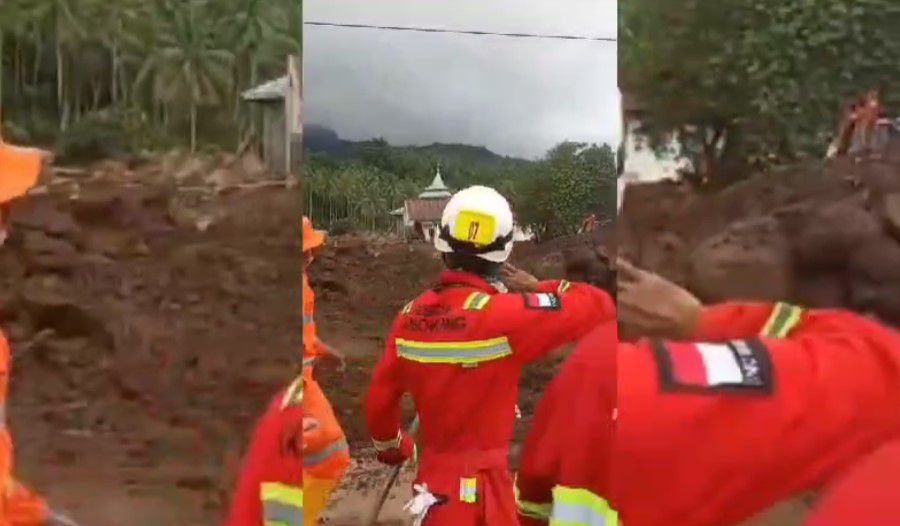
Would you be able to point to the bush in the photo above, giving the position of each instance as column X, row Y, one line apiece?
column 342, row 227
column 92, row 138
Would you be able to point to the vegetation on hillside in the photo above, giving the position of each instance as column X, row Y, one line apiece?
column 745, row 84
column 98, row 77
column 359, row 185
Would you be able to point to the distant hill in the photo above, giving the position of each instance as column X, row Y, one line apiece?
column 320, row 139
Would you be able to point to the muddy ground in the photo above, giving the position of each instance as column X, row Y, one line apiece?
column 152, row 311
column 361, row 283
column 819, row 234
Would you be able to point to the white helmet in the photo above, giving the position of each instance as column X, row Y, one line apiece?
column 477, row 221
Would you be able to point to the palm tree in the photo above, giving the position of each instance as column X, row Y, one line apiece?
column 186, row 64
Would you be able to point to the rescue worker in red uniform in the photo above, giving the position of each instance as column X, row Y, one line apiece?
column 789, row 401
column 865, row 494
column 459, row 349
column 564, row 469
column 325, row 455
column 269, row 490
column 765, row 402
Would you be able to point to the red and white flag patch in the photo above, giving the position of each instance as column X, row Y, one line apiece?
column 542, row 300
column 739, row 365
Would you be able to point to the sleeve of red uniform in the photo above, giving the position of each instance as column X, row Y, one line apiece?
column 383, row 411
column 729, row 321
column 539, row 464
column 537, row 331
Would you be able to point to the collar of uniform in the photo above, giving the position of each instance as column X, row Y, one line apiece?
column 457, row 278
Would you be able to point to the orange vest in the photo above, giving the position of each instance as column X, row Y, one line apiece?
column 310, row 349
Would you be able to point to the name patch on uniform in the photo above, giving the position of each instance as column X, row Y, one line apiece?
column 542, row 300
column 740, row 366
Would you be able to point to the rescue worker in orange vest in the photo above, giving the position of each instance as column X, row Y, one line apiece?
column 459, row 349
column 765, row 401
column 19, row 506
column 325, row 454
column 269, row 490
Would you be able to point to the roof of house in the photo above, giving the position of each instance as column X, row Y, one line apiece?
column 273, row 90
column 429, row 210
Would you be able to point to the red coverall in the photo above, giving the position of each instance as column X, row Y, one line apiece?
column 459, row 350
column 270, row 487
column 866, row 494
column 563, row 459
column 709, row 438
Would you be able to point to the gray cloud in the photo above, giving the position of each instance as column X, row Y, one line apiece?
column 516, row 96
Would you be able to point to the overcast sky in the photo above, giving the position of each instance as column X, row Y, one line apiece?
column 516, row 96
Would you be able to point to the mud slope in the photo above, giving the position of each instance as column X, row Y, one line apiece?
column 819, row 234
column 151, row 311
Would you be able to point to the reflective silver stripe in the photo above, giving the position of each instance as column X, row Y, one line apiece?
column 384, row 445
column 308, row 362
column 576, row 515
column 282, row 514
column 453, row 352
column 308, row 318
column 312, row 459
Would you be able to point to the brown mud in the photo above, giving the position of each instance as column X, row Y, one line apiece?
column 152, row 311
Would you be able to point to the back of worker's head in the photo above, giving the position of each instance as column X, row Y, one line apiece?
column 476, row 231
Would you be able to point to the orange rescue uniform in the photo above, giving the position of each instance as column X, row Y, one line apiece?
column 325, row 453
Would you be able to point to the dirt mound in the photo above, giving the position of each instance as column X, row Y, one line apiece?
column 151, row 317
column 824, row 234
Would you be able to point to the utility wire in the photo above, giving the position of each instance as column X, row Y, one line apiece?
column 457, row 31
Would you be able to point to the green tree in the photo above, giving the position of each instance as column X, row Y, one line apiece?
column 750, row 83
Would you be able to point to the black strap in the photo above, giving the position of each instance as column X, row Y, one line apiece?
column 467, row 247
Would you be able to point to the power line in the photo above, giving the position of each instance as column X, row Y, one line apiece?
column 458, row 31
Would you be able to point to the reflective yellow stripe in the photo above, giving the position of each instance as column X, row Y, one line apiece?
column 294, row 394
column 580, row 507
column 468, row 490
column 476, row 301
column 407, row 308
column 535, row 510
column 468, row 352
column 313, row 459
column 282, row 504
column 782, row 321
column 563, row 286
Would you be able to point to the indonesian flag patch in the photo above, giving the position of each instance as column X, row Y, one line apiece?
column 737, row 366
column 542, row 300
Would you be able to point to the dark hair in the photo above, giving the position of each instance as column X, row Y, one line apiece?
column 470, row 263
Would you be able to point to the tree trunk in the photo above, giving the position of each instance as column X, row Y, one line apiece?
column 38, row 53
column 193, row 127
column 59, row 74
column 1, row 66
column 113, row 84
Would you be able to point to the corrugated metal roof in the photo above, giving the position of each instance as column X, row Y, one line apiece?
column 272, row 90
column 426, row 209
